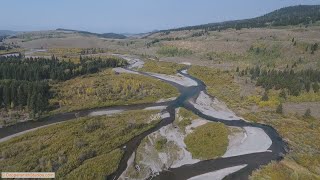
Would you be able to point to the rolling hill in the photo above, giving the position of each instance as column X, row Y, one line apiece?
column 7, row 33
column 104, row 35
column 293, row 15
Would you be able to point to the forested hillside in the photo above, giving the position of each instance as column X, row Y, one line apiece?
column 294, row 15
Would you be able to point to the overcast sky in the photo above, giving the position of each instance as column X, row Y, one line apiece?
column 132, row 16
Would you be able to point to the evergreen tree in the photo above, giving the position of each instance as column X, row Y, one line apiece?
column 24, row 81
column 6, row 95
column 21, row 96
column 307, row 86
column 315, row 87
column 1, row 96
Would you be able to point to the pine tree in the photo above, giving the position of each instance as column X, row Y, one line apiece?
column 1, row 95
column 307, row 86
column 6, row 95
column 315, row 87
column 21, row 97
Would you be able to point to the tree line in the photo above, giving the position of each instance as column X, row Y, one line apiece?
column 36, row 69
column 294, row 15
column 24, row 81
column 92, row 51
column 293, row 82
column 5, row 48
column 19, row 94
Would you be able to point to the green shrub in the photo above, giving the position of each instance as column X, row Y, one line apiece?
column 208, row 141
column 160, row 144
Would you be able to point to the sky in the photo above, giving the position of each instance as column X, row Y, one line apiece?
column 129, row 16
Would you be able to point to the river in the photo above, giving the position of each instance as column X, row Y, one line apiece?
column 253, row 160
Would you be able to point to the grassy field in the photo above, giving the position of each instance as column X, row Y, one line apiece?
column 302, row 134
column 108, row 89
column 283, row 170
column 219, row 83
column 15, row 50
column 246, row 97
column 228, row 48
column 85, row 148
column 208, row 141
column 73, row 54
column 162, row 67
column 171, row 51
column 60, row 52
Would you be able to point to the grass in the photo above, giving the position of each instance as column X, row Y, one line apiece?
column 303, row 160
column 223, row 85
column 69, row 54
column 84, row 148
column 208, row 141
column 302, row 134
column 223, row 56
column 60, row 52
column 219, row 83
column 283, row 171
column 108, row 89
column 172, row 51
column 160, row 144
column 15, row 50
column 305, row 97
column 162, row 67
column 184, row 118
column 102, row 165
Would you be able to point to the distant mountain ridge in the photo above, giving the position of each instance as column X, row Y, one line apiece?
column 293, row 15
column 7, row 33
column 104, row 35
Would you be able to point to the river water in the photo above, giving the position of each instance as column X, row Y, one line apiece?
column 253, row 161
